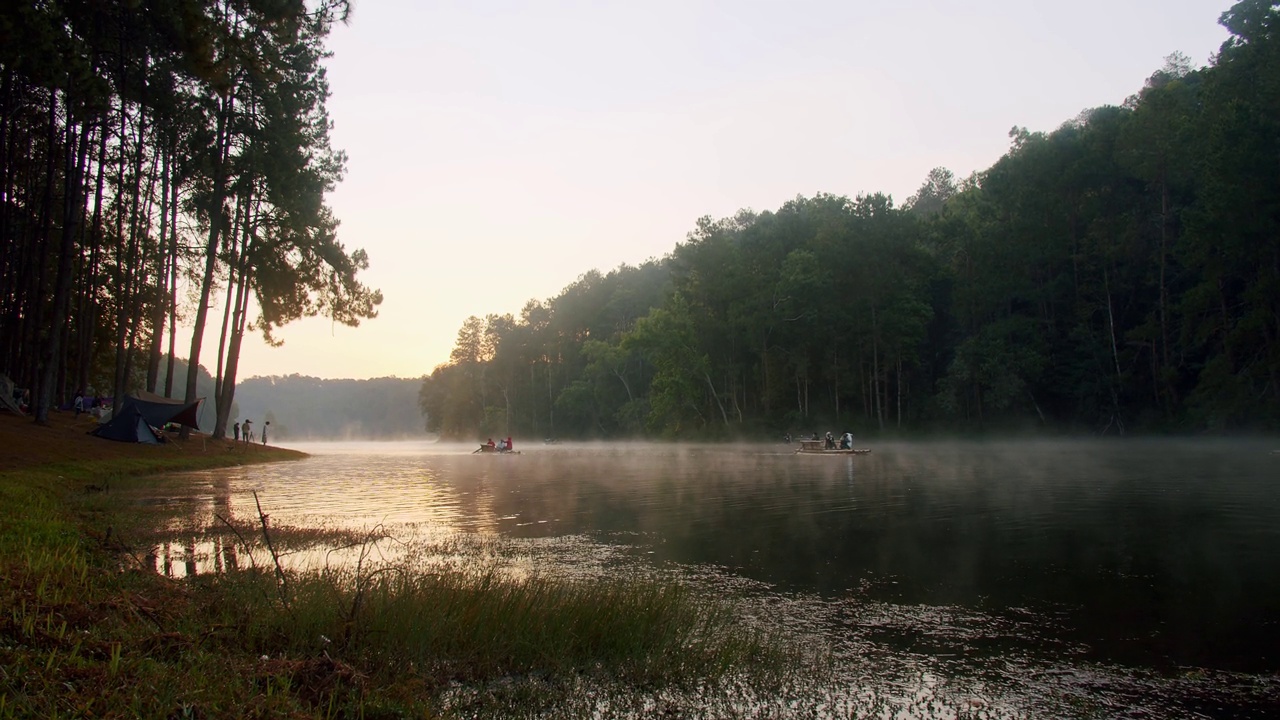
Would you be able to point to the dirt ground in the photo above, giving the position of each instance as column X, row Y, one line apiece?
column 23, row 444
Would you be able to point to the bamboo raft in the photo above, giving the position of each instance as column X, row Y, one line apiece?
column 491, row 450
column 815, row 447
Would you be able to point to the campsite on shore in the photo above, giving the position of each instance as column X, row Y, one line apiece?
column 65, row 444
column 89, row 630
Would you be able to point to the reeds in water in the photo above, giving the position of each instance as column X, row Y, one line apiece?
column 459, row 626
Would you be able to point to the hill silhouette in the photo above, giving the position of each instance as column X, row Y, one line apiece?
column 308, row 408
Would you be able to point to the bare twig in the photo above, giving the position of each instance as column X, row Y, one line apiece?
column 145, row 613
column 120, row 545
column 374, row 536
column 266, row 534
column 248, row 550
column 362, row 585
column 367, row 546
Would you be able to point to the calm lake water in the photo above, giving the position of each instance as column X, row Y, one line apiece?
column 1012, row 579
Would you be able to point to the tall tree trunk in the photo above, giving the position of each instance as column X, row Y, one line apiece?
column 875, row 367
column 799, row 396
column 238, row 291
column 551, row 404
column 172, row 299
column 233, row 264
column 44, row 242
column 162, row 278
column 8, row 246
column 715, row 396
column 216, row 220
column 765, row 400
column 124, row 261
column 136, row 271
column 226, row 398
column 626, row 385
column 1115, row 352
column 89, row 310
column 835, row 378
column 76, row 155
column 1168, row 390
column 899, row 390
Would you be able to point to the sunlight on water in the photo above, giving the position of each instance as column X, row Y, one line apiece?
column 1079, row 579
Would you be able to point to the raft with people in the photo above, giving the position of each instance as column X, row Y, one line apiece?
column 502, row 447
column 831, row 446
column 814, row 447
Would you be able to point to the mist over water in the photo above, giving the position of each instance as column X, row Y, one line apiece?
column 1123, row 577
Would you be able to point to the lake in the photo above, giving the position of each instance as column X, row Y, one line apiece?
column 1019, row 578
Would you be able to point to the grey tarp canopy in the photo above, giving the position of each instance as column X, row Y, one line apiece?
column 6, row 395
column 143, row 411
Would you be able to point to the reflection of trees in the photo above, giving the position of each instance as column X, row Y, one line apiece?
column 947, row 524
column 480, row 506
column 230, row 561
column 203, row 544
column 1128, row 542
column 224, row 548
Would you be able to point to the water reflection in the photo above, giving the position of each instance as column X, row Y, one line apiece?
column 1002, row 559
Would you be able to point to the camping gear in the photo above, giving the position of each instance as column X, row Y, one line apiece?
column 128, row 425
column 9, row 395
column 142, row 412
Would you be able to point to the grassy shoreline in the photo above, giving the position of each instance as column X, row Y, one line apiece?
column 87, row 630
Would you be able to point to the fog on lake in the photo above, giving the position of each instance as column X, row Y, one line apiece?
column 1020, row 575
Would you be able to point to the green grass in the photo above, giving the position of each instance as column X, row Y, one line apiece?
column 454, row 626
column 86, row 632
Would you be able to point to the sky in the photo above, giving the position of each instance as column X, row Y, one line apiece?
column 499, row 150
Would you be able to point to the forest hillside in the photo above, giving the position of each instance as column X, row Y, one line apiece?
column 1120, row 273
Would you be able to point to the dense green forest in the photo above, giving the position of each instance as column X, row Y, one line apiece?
column 164, row 166
column 1119, row 274
column 308, row 408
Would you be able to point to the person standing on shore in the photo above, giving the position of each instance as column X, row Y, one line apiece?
column 264, row 431
column 236, row 429
column 248, row 431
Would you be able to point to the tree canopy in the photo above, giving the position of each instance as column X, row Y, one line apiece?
column 1119, row 273
column 156, row 159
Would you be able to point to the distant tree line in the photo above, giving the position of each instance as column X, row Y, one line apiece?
column 154, row 156
column 1120, row 273
column 308, row 408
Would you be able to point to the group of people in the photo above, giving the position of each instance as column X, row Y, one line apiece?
column 829, row 442
column 22, row 398
column 845, row 441
column 246, row 432
column 91, row 405
column 502, row 446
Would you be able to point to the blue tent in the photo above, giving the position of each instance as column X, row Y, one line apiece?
column 141, row 413
column 129, row 425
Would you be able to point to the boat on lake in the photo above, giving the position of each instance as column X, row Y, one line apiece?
column 492, row 449
column 815, row 447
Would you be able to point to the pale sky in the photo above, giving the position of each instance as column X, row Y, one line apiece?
column 498, row 150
